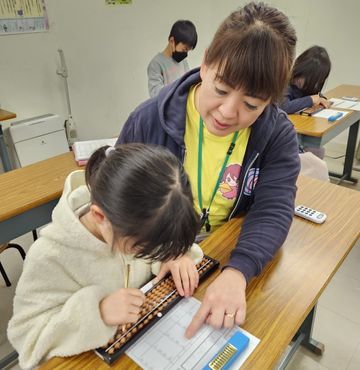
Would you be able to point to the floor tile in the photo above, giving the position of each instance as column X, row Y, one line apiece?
column 342, row 296
column 340, row 336
column 355, row 361
column 351, row 265
column 301, row 361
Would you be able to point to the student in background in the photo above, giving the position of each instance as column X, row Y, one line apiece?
column 310, row 71
column 171, row 63
column 71, row 295
column 239, row 149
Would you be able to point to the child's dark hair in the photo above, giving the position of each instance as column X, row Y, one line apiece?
column 184, row 31
column 313, row 66
column 254, row 50
column 146, row 195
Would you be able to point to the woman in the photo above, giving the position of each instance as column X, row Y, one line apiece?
column 225, row 114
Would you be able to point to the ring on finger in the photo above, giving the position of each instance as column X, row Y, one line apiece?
column 230, row 315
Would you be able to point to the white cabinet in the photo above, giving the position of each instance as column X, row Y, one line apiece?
column 38, row 138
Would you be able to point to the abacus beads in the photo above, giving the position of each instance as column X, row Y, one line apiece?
column 160, row 298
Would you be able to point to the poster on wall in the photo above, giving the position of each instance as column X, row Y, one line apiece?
column 23, row 16
column 117, row 2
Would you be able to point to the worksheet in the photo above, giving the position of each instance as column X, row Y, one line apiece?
column 344, row 104
column 355, row 107
column 165, row 347
column 327, row 113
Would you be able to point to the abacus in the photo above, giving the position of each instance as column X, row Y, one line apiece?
column 229, row 353
column 159, row 300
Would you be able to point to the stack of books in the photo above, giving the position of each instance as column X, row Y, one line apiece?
column 83, row 149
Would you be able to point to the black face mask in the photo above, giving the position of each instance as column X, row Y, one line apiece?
column 178, row 56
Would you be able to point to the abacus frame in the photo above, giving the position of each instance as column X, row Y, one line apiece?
column 110, row 358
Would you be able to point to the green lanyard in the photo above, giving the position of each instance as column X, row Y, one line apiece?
column 205, row 212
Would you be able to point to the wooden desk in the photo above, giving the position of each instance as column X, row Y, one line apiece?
column 286, row 292
column 4, row 115
column 29, row 194
column 314, row 131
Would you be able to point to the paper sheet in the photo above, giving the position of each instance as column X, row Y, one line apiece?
column 326, row 113
column 165, row 347
column 83, row 149
column 23, row 16
column 344, row 104
column 356, row 107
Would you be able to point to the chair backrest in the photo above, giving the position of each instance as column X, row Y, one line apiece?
column 313, row 166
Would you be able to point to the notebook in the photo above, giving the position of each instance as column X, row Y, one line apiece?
column 83, row 149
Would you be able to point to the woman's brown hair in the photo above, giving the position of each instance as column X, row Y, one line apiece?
column 254, row 50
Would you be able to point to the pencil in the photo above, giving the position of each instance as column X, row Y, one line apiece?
column 126, row 285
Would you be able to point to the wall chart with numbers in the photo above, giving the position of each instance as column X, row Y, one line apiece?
column 23, row 16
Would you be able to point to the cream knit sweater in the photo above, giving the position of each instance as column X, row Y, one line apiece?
column 66, row 274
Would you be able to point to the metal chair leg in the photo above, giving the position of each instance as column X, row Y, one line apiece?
column 3, row 273
column 19, row 248
column 22, row 253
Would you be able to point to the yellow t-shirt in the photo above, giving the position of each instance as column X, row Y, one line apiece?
column 214, row 149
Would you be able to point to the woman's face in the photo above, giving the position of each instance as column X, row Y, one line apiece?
column 224, row 109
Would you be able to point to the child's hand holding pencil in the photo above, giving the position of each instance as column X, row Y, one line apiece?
column 123, row 306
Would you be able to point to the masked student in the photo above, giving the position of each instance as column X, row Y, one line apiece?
column 71, row 295
column 238, row 148
column 311, row 70
column 171, row 63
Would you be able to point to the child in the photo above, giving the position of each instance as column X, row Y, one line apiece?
column 169, row 65
column 310, row 71
column 132, row 206
column 223, row 116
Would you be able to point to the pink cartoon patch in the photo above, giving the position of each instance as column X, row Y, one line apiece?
column 230, row 181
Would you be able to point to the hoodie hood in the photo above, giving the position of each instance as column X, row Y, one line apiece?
column 66, row 228
column 171, row 104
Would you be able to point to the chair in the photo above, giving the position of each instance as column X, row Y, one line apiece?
column 3, row 247
column 313, row 166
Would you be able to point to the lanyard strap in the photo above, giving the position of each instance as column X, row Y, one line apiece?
column 205, row 212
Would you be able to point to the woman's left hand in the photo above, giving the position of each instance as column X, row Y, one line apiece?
column 184, row 273
column 224, row 303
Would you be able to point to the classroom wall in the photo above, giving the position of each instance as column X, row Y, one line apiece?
column 107, row 49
